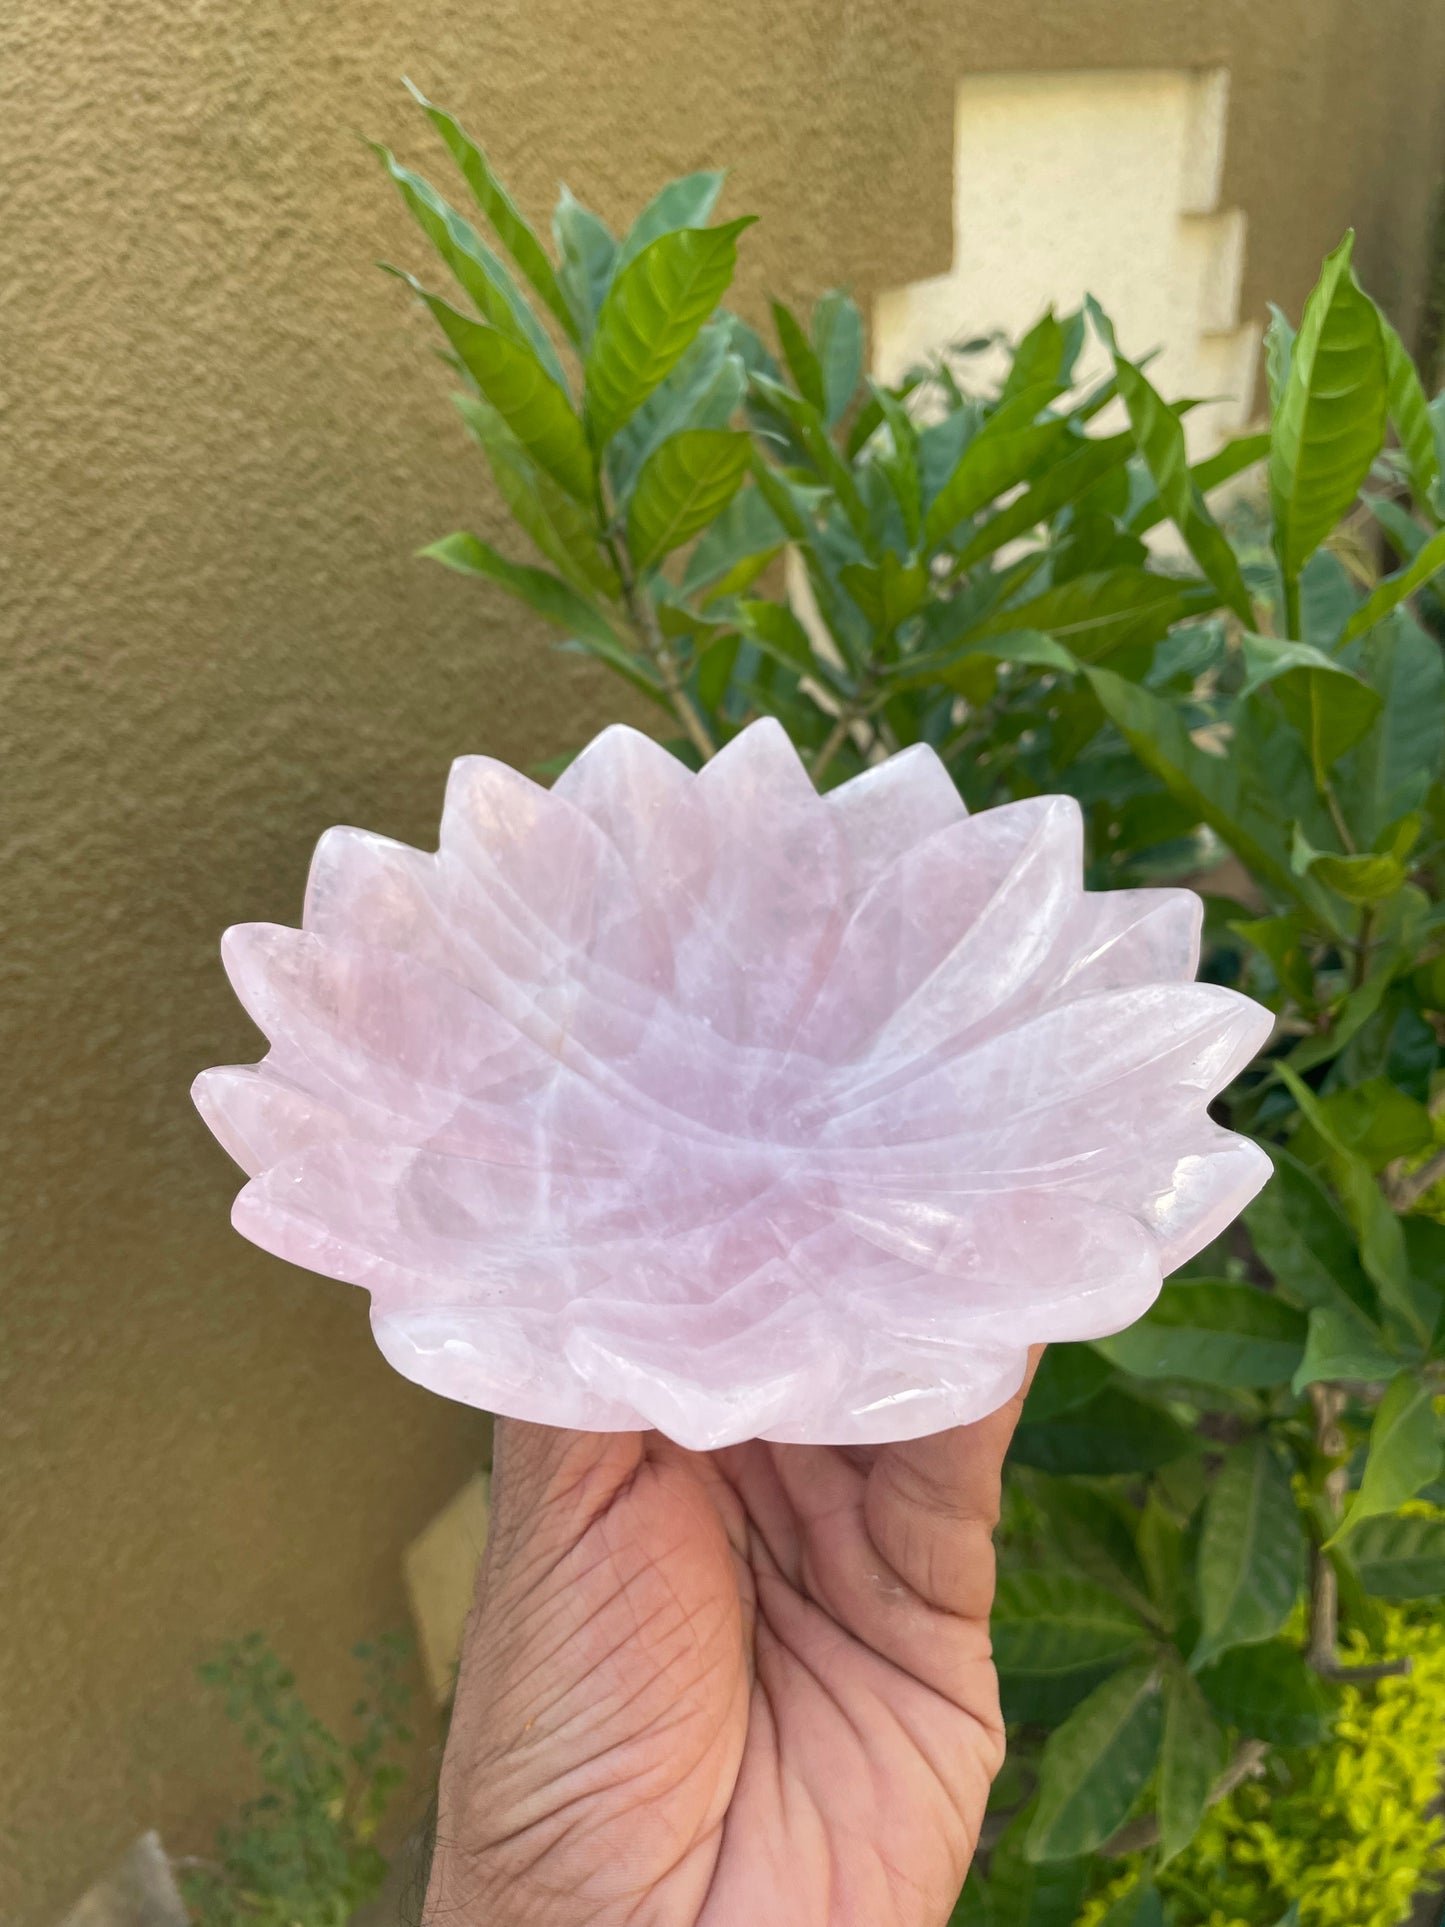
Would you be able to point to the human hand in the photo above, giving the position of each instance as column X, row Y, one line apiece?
column 747, row 1688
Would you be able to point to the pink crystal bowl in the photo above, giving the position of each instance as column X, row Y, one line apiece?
column 707, row 1103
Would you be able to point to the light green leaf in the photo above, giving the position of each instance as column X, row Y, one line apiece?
column 1251, row 1561
column 901, row 465
column 803, row 363
column 588, row 253
column 652, row 312
column 1330, row 706
column 1278, row 351
column 685, row 482
column 1191, row 1758
column 1083, row 463
column 1358, row 879
column 1214, row 1333
column 1410, row 415
column 776, row 629
column 1342, row 1345
column 1400, row 1558
column 492, row 198
column 561, row 527
column 556, row 600
column 1392, row 591
column 1405, row 1451
column 1002, row 454
column 1052, row 1623
column 485, row 279
column 1037, row 358
column 525, row 396
column 1095, row 1765
column 1102, row 611
column 1390, row 771
column 1211, row 473
column 1269, row 1692
column 1330, row 422
column 686, row 202
column 838, row 344
column 705, row 390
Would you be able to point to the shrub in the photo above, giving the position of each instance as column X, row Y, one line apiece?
column 970, row 569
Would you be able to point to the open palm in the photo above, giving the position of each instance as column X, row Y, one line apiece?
column 747, row 1688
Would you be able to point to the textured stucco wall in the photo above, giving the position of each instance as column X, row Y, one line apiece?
column 222, row 437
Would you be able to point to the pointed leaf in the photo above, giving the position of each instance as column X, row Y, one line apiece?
column 1084, row 463
column 507, row 220
column 1251, row 1559
column 1400, row 1558
column 1330, row 422
column 685, row 483
column 1102, row 611
column 588, row 253
column 777, row 630
column 1022, row 1894
column 1000, row 455
column 1392, row 591
column 803, row 364
column 838, row 344
column 1213, row 1332
column 746, row 530
column 652, row 312
column 1268, row 1692
column 1191, row 1758
column 1095, row 1765
column 686, row 202
column 705, row 390
column 1410, row 416
column 517, row 385
column 561, row 527
column 1405, row 1451
column 1309, row 1249
column 1342, row 1344
column 1051, row 1623
column 1330, row 706
column 468, row 555
column 1231, row 460
column 1115, row 1432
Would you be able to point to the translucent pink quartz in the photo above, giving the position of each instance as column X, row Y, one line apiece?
column 707, row 1103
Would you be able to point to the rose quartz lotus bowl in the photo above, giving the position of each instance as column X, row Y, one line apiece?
column 705, row 1103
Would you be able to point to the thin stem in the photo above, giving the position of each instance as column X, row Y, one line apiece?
column 1291, row 606
column 1328, row 1402
column 643, row 615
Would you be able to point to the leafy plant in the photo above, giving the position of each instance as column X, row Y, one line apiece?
column 303, row 1853
column 1203, row 1514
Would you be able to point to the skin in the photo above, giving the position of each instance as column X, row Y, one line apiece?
column 748, row 1688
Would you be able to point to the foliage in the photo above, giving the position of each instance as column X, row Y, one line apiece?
column 1254, row 701
column 303, row 1853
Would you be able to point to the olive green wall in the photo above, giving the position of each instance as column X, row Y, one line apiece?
column 223, row 436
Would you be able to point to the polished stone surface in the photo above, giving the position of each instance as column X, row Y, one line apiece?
column 707, row 1103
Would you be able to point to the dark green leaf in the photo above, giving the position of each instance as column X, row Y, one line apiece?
column 838, row 343
column 1390, row 593
column 588, row 252
column 889, row 593
column 1141, row 1906
column 1191, row 1758
column 1251, row 1560
column 1330, row 422
column 652, row 312
column 1022, row 1894
column 1000, row 455
column 803, row 364
column 493, row 199
column 1038, row 358
column 1095, row 1765
column 1095, row 1533
column 1329, row 705
column 1410, row 415
column 775, row 628
column 517, row 385
column 1223, row 466
column 1096, row 614
column 540, row 591
column 747, row 531
column 1052, row 1623
column 1078, row 470
column 1405, row 1451
column 1268, row 1692
column 685, row 483
column 1067, row 1375
column 1114, row 1432
column 1307, row 1245
column 1342, row 1345
column 1390, row 772
column 1400, row 1558
column 1214, row 1333
column 686, row 202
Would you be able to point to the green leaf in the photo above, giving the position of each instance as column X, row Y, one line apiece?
column 1100, row 612
column 1141, row 1906
column 545, row 593
column 1330, row 706
column 747, row 531
column 1392, row 591
column 889, row 593
column 683, row 203
column 838, row 344
column 685, row 483
column 1053, row 1623
column 835, row 472
column 1330, row 422
column 1095, row 1765
column 1094, row 1532
column 506, row 218
column 523, row 394
column 1022, row 1894
column 1303, row 1239
column 1160, row 437
column 1342, row 1345
column 777, row 630
column 1222, row 466
column 705, row 390
column 1410, row 414
column 588, row 253
column 1358, row 879
column 1278, row 351
column 1191, row 1758
column 1214, row 1333
column 1000, row 455
column 1037, row 358
column 485, row 279
column 1114, row 1432
column 1400, row 1558
column 1390, row 772
column 1214, row 785
column 803, row 364
column 1251, row 1560
column 1268, row 1692
column 1067, row 1375
column 652, row 312
column 901, row 465
column 973, row 1909
column 561, row 528
column 1086, row 463
column 1405, row 1451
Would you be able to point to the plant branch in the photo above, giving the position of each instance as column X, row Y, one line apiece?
column 1328, row 1402
column 1405, row 1192
column 1136, row 1835
column 643, row 616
